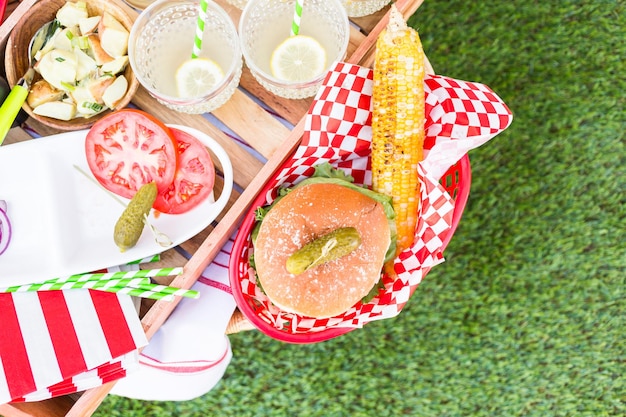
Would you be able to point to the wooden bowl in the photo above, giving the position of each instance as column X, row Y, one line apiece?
column 16, row 56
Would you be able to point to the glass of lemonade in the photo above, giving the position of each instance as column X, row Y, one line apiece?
column 358, row 8
column 293, row 66
column 160, row 49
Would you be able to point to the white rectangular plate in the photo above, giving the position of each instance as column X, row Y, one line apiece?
column 63, row 222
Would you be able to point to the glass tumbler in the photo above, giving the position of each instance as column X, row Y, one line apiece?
column 265, row 24
column 162, row 39
column 358, row 8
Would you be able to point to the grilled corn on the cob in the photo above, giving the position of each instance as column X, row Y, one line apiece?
column 398, row 121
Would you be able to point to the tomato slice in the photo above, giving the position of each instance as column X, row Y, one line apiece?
column 194, row 177
column 130, row 148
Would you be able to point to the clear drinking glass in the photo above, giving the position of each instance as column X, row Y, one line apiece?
column 264, row 24
column 162, row 39
column 358, row 8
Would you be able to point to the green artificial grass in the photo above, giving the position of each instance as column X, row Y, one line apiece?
column 527, row 315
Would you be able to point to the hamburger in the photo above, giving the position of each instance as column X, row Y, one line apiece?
column 319, row 248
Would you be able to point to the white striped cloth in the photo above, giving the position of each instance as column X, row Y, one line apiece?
column 51, row 337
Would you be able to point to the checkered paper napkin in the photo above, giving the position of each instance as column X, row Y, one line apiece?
column 59, row 342
column 460, row 116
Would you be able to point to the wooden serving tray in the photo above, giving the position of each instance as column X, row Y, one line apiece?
column 248, row 120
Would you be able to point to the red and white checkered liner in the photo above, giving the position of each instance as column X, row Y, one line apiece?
column 460, row 116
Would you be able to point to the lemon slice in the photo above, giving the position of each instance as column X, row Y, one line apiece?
column 197, row 77
column 298, row 58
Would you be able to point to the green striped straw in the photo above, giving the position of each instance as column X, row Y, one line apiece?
column 146, row 260
column 140, row 273
column 138, row 292
column 197, row 42
column 89, row 280
column 297, row 17
column 164, row 289
column 133, row 283
column 137, row 287
column 71, row 285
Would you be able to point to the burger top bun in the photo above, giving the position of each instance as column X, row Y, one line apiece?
column 304, row 214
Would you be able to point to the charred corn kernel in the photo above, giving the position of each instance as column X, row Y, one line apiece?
column 398, row 121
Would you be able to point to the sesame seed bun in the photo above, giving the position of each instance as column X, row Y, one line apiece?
column 304, row 214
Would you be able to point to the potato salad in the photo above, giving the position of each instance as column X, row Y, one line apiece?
column 81, row 65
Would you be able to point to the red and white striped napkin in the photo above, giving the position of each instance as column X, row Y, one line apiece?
column 110, row 371
column 57, row 342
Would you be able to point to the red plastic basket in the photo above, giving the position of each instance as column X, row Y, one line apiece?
column 456, row 181
column 3, row 8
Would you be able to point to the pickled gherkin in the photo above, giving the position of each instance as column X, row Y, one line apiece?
column 130, row 225
column 334, row 245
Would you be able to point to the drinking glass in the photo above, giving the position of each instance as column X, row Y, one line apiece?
column 162, row 39
column 264, row 24
column 358, row 8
